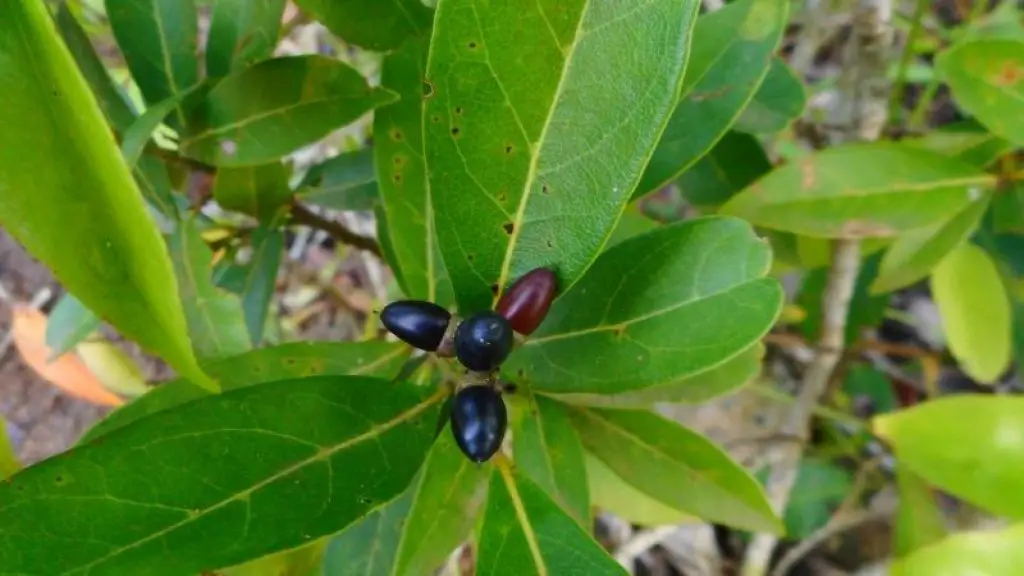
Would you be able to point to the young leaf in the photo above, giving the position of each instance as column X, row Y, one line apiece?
column 242, row 33
column 525, row 532
column 344, row 182
column 919, row 521
column 158, row 39
column 860, row 191
column 967, row 444
column 676, row 466
column 284, row 362
column 971, row 552
column 735, row 162
column 70, row 322
column 260, row 277
column 548, row 450
column 299, row 100
column 370, row 24
column 732, row 50
column 610, row 492
column 913, row 255
column 402, row 176
column 780, row 99
column 537, row 132
column 106, row 249
column 238, row 479
column 986, row 76
column 975, row 312
column 705, row 274
column 260, row 191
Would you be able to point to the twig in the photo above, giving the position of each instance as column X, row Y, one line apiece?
column 640, row 543
column 836, row 526
column 891, row 348
column 303, row 215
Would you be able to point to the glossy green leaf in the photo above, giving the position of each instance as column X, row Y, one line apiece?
column 402, row 176
column 525, row 532
column 259, row 190
column 971, row 445
column 371, row 24
column 238, row 478
column 676, row 466
column 158, row 39
column 866, row 309
column 860, row 191
column 260, row 277
column 344, row 182
column 537, row 132
column 967, row 141
column 735, row 162
column 619, row 330
column 986, row 77
column 915, row 254
column 611, row 493
column 59, row 163
column 820, row 488
column 968, row 553
column 779, row 100
column 242, row 33
column 732, row 51
column 68, row 324
column 919, row 521
column 975, row 312
column 1008, row 210
column 368, row 547
column 547, row 449
column 275, row 107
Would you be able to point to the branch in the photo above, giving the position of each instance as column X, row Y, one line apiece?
column 303, row 215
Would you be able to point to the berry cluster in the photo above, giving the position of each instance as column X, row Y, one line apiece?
column 480, row 342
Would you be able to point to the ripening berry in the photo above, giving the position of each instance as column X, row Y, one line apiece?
column 478, row 421
column 526, row 303
column 419, row 324
column 483, row 341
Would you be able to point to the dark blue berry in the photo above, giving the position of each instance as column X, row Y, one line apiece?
column 483, row 341
column 419, row 324
column 478, row 421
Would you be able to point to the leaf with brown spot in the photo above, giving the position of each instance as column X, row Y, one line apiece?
column 986, row 77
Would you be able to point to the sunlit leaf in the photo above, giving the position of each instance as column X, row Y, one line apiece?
column 611, row 493
column 69, row 323
column 986, row 77
column 919, row 521
column 967, row 553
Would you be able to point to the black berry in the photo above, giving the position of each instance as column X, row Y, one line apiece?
column 478, row 421
column 419, row 324
column 483, row 341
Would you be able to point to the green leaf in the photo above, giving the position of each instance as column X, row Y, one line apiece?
column 138, row 134
column 610, row 492
column 780, row 99
column 919, row 521
column 676, row 466
column 106, row 249
column 242, row 33
column 633, row 222
column 344, row 182
column 69, row 323
column 820, row 488
column 260, row 277
column 548, row 450
column 1008, row 210
column 525, row 532
column 298, row 100
column 537, row 132
column 967, row 553
column 303, row 561
column 735, row 162
column 228, row 478
column 384, row 237
column 732, row 51
column 868, row 381
column 158, row 39
column 402, row 176
column 967, row 141
column 986, row 77
column 866, row 309
column 915, row 254
column 260, row 191
column 706, row 274
column 368, row 547
column 371, row 24
column 975, row 312
column 860, row 191
column 971, row 445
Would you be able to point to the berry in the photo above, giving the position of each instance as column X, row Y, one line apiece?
column 526, row 303
column 478, row 421
column 419, row 324
column 483, row 341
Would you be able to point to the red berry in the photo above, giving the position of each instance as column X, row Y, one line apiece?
column 526, row 303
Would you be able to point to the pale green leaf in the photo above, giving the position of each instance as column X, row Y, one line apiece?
column 986, row 77
column 9, row 463
column 969, row 553
column 242, row 32
column 919, row 521
column 260, row 191
column 135, row 138
column 611, row 493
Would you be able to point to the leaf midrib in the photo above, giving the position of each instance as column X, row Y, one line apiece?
column 915, row 187
column 524, row 520
column 166, row 56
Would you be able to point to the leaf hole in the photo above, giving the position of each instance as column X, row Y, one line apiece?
column 501, row 196
column 435, row 118
column 494, row 289
column 458, row 110
column 470, row 257
column 455, row 131
column 509, row 227
column 508, row 148
column 229, row 147
column 59, row 480
column 550, row 244
column 472, row 45
column 544, row 189
column 290, row 362
column 511, row 388
column 428, row 89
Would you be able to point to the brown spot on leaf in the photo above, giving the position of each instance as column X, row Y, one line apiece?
column 544, row 189
column 864, row 229
column 550, row 244
column 470, row 257
column 508, row 148
column 494, row 289
column 428, row 89
column 455, row 131
column 397, row 177
column 1009, row 75
column 458, row 110
column 501, row 196
column 471, row 45
column 397, row 135
column 435, row 118
column 509, row 227
column 809, row 177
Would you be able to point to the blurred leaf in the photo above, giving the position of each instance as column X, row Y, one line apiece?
column 866, row 309
column 915, row 254
column 238, row 478
column 158, row 39
column 626, row 312
column 275, row 107
column 971, row 445
column 1018, row 334
column 303, row 561
column 261, row 190
column 780, row 99
column 736, row 161
column 69, row 323
column 820, row 488
column 538, row 132
column 633, row 222
column 1008, row 210
column 548, row 450
column 260, row 278
column 919, row 521
column 9, row 463
column 344, row 182
column 975, row 312
column 676, row 466
column 968, row 553
column 611, row 493
column 867, row 381
column 137, row 135
column 115, row 370
column 106, row 249
column 967, row 141
column 986, row 77
column 402, row 176
column 732, row 50
column 860, row 191
column 525, row 532
column 242, row 33
column 370, row 24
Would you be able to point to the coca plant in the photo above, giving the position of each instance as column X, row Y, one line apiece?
column 540, row 317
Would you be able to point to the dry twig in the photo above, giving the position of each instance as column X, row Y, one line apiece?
column 305, row 216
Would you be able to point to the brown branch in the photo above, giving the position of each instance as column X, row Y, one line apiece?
column 890, row 348
column 306, row 217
